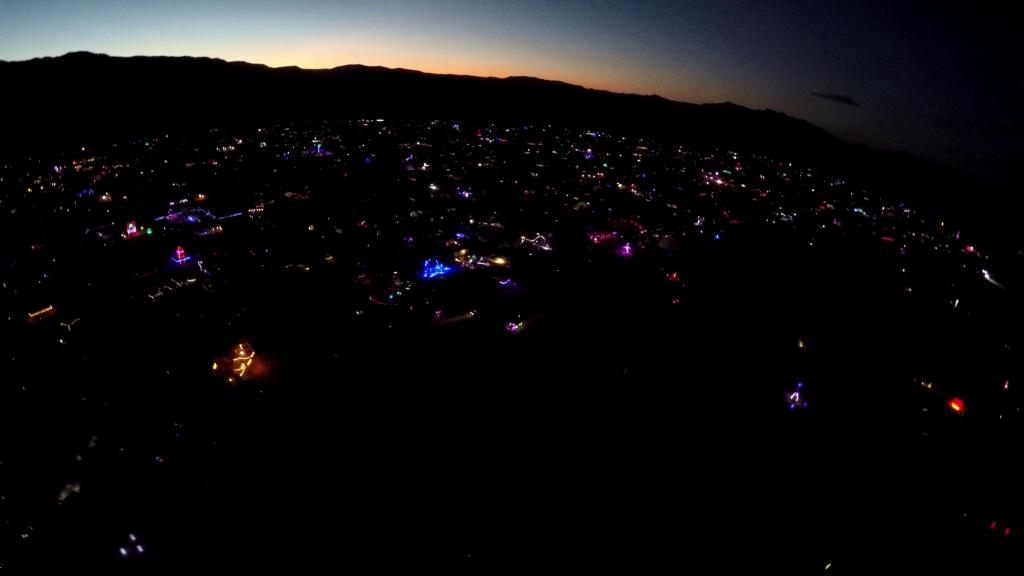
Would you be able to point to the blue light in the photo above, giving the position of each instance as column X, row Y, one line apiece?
column 434, row 268
column 717, row 236
column 460, row 235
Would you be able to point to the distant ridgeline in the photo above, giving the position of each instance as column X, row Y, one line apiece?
column 83, row 98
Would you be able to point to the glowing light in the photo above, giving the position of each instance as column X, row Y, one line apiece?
column 513, row 327
column 123, row 551
column 214, row 365
column 132, row 229
column 1006, row 532
column 48, row 310
column 800, row 343
column 957, row 405
column 499, row 261
column 888, row 239
column 795, row 399
column 180, row 257
column 434, row 268
column 672, row 277
column 149, row 231
column 969, row 249
column 243, row 360
column 626, row 250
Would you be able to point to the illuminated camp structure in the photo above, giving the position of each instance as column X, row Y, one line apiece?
column 434, row 268
column 43, row 313
column 242, row 360
column 179, row 256
column 238, row 363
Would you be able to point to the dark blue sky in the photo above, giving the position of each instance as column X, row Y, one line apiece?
column 940, row 79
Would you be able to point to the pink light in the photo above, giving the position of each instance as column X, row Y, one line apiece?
column 627, row 250
column 180, row 257
column 969, row 249
column 1006, row 532
column 599, row 237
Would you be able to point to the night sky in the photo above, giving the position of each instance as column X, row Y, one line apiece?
column 938, row 79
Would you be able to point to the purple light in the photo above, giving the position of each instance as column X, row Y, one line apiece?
column 627, row 250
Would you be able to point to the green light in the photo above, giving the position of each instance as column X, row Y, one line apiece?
column 149, row 231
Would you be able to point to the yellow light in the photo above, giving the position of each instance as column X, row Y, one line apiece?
column 499, row 261
column 214, row 365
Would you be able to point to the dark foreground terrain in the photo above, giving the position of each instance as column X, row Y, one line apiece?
column 480, row 346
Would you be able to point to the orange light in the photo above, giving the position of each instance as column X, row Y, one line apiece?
column 957, row 405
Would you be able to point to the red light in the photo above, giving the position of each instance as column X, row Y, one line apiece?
column 957, row 405
column 970, row 249
column 992, row 526
column 888, row 239
column 1006, row 532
